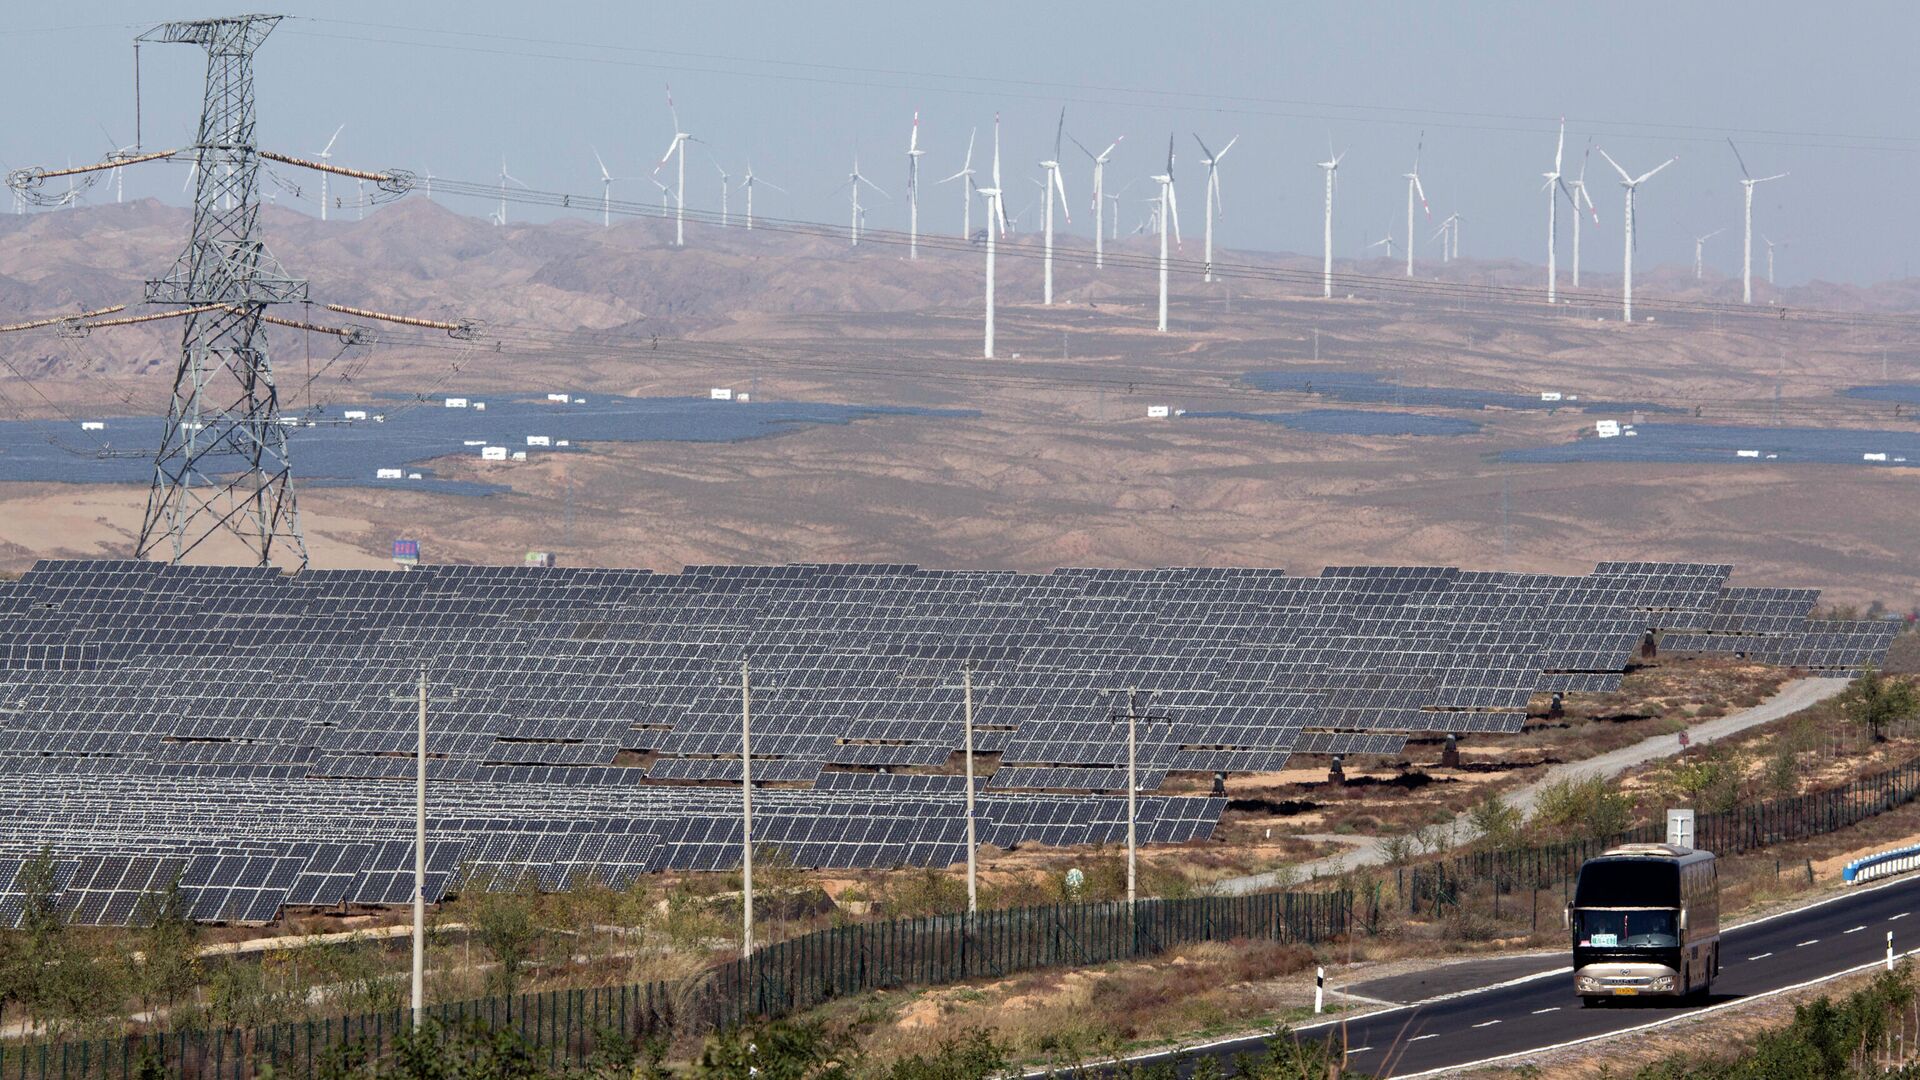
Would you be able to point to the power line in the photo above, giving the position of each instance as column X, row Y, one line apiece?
column 1208, row 102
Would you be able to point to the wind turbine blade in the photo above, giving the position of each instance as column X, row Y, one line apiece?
column 1624, row 178
column 1560, row 146
column 771, row 184
column 603, row 165
column 1208, row 154
column 1775, row 176
column 1422, row 192
column 913, row 142
column 1082, row 146
column 1213, row 187
column 1738, row 158
column 1224, row 149
column 1417, row 149
column 996, row 157
column 872, row 185
column 1648, row 175
column 668, row 156
column 1173, row 210
column 968, row 167
column 1061, row 187
column 1059, row 130
column 1169, row 156
column 330, row 142
column 675, row 113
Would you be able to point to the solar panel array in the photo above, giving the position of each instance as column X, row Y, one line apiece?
column 252, row 732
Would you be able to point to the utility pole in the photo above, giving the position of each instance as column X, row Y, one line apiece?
column 1134, row 716
column 746, row 813
column 420, row 698
column 966, row 692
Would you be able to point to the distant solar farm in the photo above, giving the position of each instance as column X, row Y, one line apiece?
column 252, row 733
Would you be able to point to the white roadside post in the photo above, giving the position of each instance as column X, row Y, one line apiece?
column 1319, row 990
column 746, row 815
column 1889, row 950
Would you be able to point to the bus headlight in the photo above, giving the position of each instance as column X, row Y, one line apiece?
column 1664, row 982
column 1589, row 983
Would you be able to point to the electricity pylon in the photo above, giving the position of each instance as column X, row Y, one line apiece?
column 223, row 462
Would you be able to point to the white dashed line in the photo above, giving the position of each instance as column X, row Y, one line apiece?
column 1417, row 1038
column 1762, row 956
column 1809, row 941
column 1488, row 1023
column 1358, row 1049
column 1554, row 1008
column 1897, row 918
column 1855, row 930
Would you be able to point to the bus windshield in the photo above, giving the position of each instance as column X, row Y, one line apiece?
column 1627, row 929
column 1628, row 883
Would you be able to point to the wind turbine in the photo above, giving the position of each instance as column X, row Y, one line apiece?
column 500, row 216
column 664, row 192
column 1553, row 187
column 1632, row 184
column 679, row 146
column 747, row 184
column 724, row 178
column 1577, row 194
column 1770, row 246
column 1413, row 188
column 1386, row 240
column 913, row 188
column 996, row 221
column 1212, row 161
column 1746, row 258
column 328, row 153
column 429, row 172
column 1169, row 214
column 1332, row 167
column 1449, row 236
column 854, row 180
column 967, row 189
column 1050, row 187
column 1699, row 251
column 1099, row 195
column 606, row 190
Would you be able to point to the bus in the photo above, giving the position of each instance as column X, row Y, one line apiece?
column 1646, row 923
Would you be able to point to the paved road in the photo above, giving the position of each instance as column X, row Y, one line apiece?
column 1542, row 1012
column 1794, row 696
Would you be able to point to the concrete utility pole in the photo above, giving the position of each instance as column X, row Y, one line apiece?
column 746, row 813
column 1134, row 716
column 966, row 691
column 419, row 994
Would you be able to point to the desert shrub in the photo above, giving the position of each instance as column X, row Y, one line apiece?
column 1588, row 808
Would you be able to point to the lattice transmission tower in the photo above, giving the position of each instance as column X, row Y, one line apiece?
column 223, row 463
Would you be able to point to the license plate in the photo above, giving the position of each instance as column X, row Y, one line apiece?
column 1627, row 991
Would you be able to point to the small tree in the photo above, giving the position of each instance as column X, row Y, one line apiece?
column 170, row 968
column 1496, row 822
column 1589, row 808
column 504, row 924
column 1874, row 701
column 36, row 947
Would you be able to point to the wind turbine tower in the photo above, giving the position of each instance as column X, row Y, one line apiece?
column 1699, row 252
column 1746, row 257
column 967, row 188
column 747, row 184
column 1577, row 194
column 606, row 190
column 1553, row 187
column 1169, row 215
column 1051, row 187
column 913, row 188
column 996, row 222
column 1212, row 161
column 1332, row 168
column 677, row 146
column 1100, row 196
column 1632, row 184
column 326, row 153
column 1414, row 188
column 854, row 180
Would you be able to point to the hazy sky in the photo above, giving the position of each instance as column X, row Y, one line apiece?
column 1822, row 91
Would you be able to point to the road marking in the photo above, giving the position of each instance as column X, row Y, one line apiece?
column 1762, row 956
column 1897, row 918
column 1809, row 941
column 1855, row 930
column 1488, row 1023
column 1554, row 1008
column 1358, row 1050
column 1417, row 1038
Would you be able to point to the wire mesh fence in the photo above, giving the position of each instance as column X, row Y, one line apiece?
column 571, row 1027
